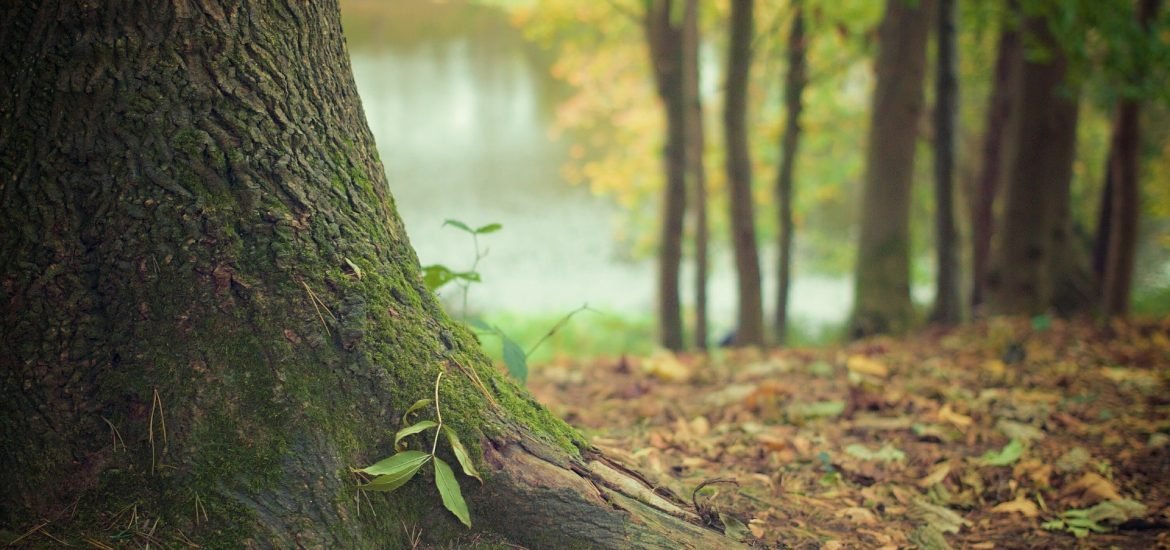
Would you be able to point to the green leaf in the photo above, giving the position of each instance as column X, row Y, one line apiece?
column 1007, row 456
column 734, row 528
column 417, row 406
column 819, row 409
column 413, row 429
column 449, row 490
column 888, row 453
column 395, row 471
column 479, row 325
column 435, row 276
column 515, row 359
column 472, row 276
column 461, row 453
column 459, row 224
column 489, row 228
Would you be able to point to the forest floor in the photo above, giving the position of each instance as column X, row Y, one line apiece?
column 1002, row 434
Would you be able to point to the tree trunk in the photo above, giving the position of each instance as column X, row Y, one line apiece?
column 1125, row 199
column 794, row 82
column 947, row 303
column 882, row 296
column 696, row 173
column 1031, row 246
column 664, row 38
column 212, row 311
column 750, row 322
column 1002, row 106
column 1104, row 225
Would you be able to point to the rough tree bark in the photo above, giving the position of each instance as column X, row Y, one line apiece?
column 794, row 82
column 1029, row 257
column 664, row 38
column 696, row 172
column 948, row 306
column 212, row 311
column 1002, row 106
column 1124, row 202
column 750, row 321
column 882, row 280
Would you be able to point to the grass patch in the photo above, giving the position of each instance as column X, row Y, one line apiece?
column 1151, row 301
column 589, row 334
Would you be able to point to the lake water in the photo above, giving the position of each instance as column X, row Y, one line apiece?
column 462, row 124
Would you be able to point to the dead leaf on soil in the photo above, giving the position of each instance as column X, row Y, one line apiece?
column 948, row 414
column 1021, row 505
column 936, row 475
column 858, row 515
column 1091, row 488
column 666, row 366
column 861, row 364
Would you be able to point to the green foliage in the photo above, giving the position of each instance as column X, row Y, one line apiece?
column 435, row 276
column 1101, row 518
column 1152, row 302
column 411, row 430
column 515, row 358
column 1010, row 454
column 449, row 491
column 395, row 471
column 604, row 335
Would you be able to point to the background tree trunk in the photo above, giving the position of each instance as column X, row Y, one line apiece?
column 213, row 311
column 882, row 282
column 1125, row 199
column 948, row 307
column 1036, row 221
column 794, row 82
column 997, row 148
column 696, row 172
column 665, row 38
column 750, row 322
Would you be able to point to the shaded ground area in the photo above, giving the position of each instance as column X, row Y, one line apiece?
column 1003, row 434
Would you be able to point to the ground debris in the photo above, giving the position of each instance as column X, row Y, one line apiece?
column 933, row 439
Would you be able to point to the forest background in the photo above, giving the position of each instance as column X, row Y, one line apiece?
column 509, row 111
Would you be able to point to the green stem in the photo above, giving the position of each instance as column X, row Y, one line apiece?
column 438, row 415
column 555, row 328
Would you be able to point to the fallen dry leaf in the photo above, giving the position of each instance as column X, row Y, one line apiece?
column 666, row 366
column 1090, row 489
column 947, row 414
column 858, row 515
column 861, row 364
column 937, row 475
column 1021, row 505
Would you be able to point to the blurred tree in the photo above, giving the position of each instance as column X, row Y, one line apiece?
column 1001, row 107
column 696, row 172
column 664, row 36
column 1121, row 197
column 200, row 256
column 1030, row 271
column 882, row 280
column 948, row 307
column 795, row 79
column 750, row 320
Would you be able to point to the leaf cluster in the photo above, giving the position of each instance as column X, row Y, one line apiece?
column 395, row 471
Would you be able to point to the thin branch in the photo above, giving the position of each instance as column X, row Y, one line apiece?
column 555, row 328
